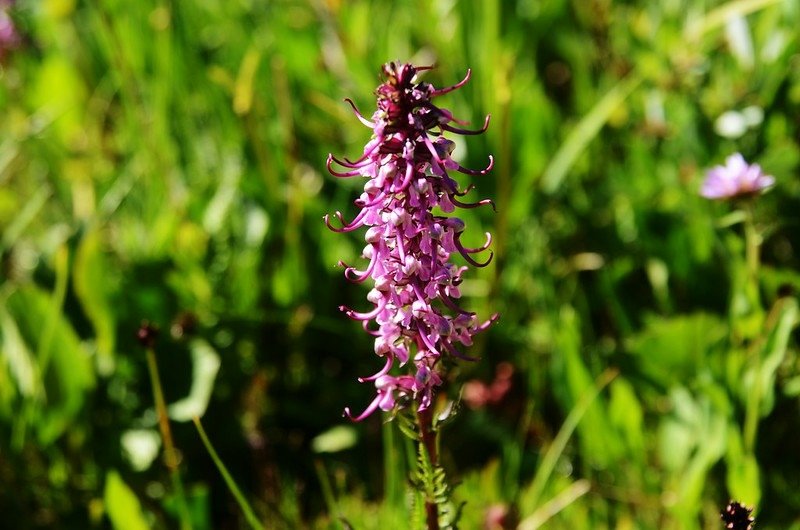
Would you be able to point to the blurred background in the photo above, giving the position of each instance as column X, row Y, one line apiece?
column 164, row 160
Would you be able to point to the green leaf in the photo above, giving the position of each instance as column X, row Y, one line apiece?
column 335, row 439
column 693, row 427
column 674, row 350
column 703, row 421
column 758, row 388
column 742, row 477
column 205, row 365
column 625, row 412
column 17, row 356
column 123, row 507
column 90, row 277
column 781, row 322
column 26, row 215
column 59, row 93
column 598, row 440
column 676, row 433
column 140, row 447
column 67, row 369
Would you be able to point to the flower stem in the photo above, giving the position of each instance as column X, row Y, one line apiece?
column 170, row 453
column 752, row 242
column 427, row 437
column 248, row 511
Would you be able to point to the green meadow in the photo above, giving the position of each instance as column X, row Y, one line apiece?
column 164, row 162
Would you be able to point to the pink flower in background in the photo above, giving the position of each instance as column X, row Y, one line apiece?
column 499, row 517
column 736, row 178
column 477, row 394
column 9, row 37
column 415, row 318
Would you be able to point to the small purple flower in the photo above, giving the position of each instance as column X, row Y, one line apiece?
column 415, row 318
column 736, row 178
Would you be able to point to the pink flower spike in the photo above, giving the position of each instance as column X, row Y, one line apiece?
column 409, row 248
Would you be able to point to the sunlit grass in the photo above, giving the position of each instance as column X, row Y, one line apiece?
column 166, row 161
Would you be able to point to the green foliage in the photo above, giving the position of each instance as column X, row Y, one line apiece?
column 431, row 485
column 94, row 287
column 164, row 161
column 124, row 509
column 52, row 371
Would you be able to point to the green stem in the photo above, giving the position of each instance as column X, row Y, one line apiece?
column 752, row 241
column 249, row 514
column 752, row 251
column 327, row 492
column 170, row 454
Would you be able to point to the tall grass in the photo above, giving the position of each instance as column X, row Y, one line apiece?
column 164, row 160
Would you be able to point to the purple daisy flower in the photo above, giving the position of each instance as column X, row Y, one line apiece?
column 736, row 178
column 415, row 318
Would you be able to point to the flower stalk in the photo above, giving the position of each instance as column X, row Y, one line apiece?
column 416, row 318
column 428, row 440
column 741, row 183
column 146, row 335
column 752, row 242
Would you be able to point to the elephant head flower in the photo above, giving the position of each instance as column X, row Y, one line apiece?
column 415, row 316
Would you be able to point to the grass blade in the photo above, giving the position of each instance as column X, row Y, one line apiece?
column 249, row 514
column 572, row 493
column 584, row 133
column 570, row 424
